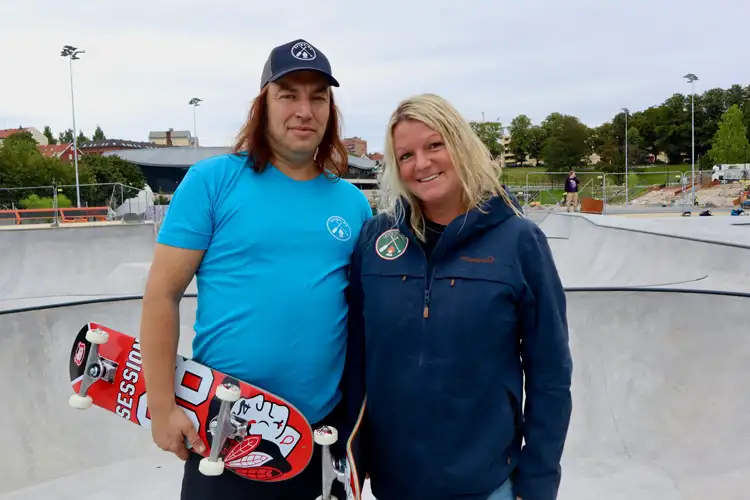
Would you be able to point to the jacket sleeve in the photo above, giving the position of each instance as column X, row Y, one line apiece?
column 548, row 369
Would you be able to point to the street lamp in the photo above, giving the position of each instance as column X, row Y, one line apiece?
column 195, row 102
column 72, row 53
column 691, row 78
column 627, row 111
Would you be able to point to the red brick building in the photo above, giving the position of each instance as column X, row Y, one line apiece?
column 355, row 145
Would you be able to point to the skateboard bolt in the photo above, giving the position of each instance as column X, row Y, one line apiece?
column 95, row 371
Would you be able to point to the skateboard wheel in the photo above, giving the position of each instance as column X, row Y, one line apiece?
column 326, row 435
column 80, row 402
column 209, row 468
column 230, row 393
column 97, row 336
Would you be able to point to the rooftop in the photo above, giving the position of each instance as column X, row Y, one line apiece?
column 118, row 143
column 186, row 156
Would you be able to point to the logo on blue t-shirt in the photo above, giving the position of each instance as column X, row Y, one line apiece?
column 339, row 228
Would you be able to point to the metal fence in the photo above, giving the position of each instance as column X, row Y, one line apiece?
column 122, row 200
column 641, row 187
column 548, row 188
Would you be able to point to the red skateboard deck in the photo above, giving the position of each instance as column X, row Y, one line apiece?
column 259, row 435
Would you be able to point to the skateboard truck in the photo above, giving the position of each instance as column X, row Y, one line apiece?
column 326, row 436
column 222, row 429
column 97, row 368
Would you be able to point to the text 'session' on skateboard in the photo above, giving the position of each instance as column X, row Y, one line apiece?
column 251, row 432
column 345, row 470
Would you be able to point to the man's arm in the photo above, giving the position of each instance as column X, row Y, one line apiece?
column 171, row 271
column 547, row 368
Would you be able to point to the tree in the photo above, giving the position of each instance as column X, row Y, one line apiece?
column 113, row 169
column 109, row 170
column 490, row 133
column 81, row 138
column 66, row 137
column 20, row 138
column 566, row 144
column 603, row 142
column 99, row 134
column 537, row 138
column 730, row 140
column 23, row 165
column 673, row 128
column 520, row 138
column 49, row 135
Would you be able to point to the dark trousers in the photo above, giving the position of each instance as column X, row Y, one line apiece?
column 307, row 485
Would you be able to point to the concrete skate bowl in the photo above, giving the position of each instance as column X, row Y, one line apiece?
column 660, row 396
column 40, row 264
column 54, row 451
column 660, row 406
column 607, row 251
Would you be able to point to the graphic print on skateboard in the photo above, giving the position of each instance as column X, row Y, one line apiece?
column 348, row 470
column 258, row 435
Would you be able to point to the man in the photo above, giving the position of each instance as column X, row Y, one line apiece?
column 268, row 230
column 571, row 191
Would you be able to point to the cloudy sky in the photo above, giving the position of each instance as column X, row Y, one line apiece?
column 146, row 58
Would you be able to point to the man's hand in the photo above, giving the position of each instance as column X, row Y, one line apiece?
column 170, row 429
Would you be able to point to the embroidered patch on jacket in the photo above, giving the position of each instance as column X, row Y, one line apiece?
column 391, row 244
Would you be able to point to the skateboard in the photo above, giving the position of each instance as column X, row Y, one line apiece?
column 253, row 433
column 347, row 469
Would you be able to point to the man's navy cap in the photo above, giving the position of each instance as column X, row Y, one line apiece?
column 297, row 55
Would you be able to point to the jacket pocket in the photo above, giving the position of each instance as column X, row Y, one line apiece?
column 474, row 306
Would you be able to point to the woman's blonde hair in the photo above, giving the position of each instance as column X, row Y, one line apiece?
column 478, row 173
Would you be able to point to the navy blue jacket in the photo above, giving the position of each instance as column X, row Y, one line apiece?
column 441, row 348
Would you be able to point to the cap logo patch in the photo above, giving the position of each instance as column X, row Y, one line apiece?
column 303, row 51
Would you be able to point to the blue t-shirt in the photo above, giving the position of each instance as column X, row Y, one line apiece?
column 271, row 305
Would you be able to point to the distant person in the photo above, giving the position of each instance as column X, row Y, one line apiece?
column 269, row 231
column 571, row 191
column 456, row 308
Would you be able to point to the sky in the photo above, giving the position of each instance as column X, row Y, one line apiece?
column 493, row 60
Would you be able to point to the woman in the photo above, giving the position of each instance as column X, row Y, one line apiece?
column 456, row 297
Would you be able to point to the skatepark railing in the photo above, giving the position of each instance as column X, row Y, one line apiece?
column 121, row 199
column 55, row 215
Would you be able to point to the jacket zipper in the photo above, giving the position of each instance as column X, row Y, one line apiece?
column 426, row 308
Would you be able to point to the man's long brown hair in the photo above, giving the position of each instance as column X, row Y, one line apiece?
column 331, row 157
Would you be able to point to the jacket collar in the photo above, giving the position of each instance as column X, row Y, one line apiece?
column 492, row 213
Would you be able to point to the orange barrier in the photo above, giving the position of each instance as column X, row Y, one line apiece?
column 592, row 206
column 64, row 215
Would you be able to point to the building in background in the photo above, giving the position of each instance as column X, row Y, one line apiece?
column 101, row 147
column 39, row 137
column 355, row 146
column 63, row 152
column 165, row 167
column 173, row 137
